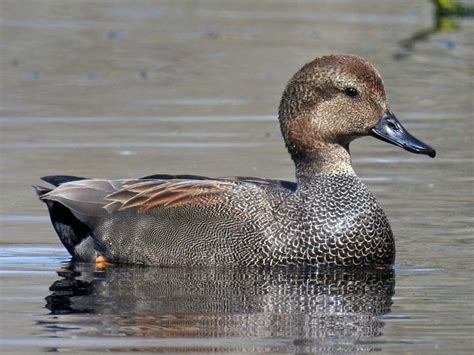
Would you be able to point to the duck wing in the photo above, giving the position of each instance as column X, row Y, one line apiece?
column 84, row 198
column 93, row 198
column 147, row 194
column 264, row 183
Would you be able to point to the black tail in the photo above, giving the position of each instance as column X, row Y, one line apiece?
column 57, row 180
column 74, row 234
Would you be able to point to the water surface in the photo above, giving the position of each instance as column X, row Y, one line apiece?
column 126, row 89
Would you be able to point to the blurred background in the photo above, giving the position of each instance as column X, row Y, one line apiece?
column 127, row 88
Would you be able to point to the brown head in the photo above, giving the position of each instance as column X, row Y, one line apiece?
column 331, row 101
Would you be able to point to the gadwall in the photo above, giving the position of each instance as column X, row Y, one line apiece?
column 327, row 217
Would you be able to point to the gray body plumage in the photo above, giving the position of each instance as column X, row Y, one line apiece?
column 333, row 220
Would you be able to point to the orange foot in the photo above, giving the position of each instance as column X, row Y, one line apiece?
column 100, row 261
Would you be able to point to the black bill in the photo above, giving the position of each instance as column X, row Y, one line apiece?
column 390, row 130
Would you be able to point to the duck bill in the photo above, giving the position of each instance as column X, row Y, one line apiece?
column 390, row 130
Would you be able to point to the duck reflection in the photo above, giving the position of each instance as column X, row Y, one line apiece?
column 312, row 308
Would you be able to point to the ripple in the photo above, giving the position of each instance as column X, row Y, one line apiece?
column 29, row 251
column 97, row 144
column 65, row 119
column 189, row 101
column 23, row 218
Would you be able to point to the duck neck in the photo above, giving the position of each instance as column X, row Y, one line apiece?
column 327, row 159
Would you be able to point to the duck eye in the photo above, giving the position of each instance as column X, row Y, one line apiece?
column 350, row 91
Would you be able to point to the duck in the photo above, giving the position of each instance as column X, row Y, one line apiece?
column 327, row 217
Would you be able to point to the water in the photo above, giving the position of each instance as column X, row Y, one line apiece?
column 126, row 89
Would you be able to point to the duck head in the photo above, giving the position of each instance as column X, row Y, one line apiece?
column 333, row 100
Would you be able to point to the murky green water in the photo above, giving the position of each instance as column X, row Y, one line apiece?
column 126, row 89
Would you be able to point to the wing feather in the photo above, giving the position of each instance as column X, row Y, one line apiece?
column 99, row 197
column 151, row 194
